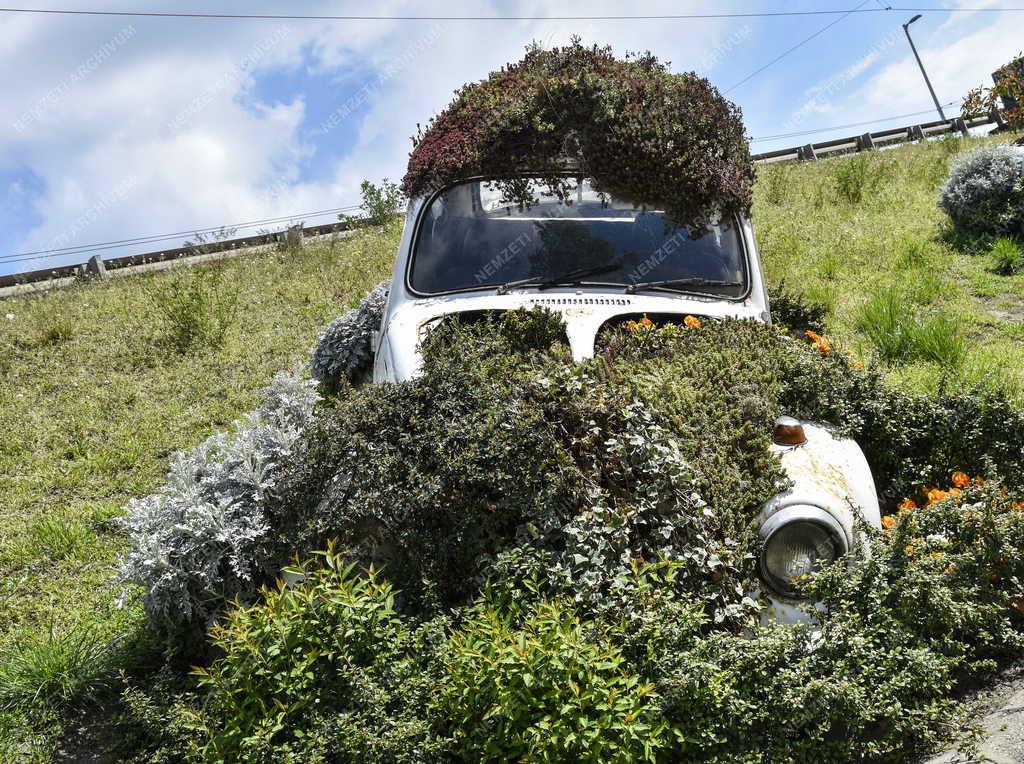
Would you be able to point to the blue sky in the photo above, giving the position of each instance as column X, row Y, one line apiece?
column 117, row 127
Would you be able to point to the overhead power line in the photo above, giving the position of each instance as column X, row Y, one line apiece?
column 45, row 254
column 843, row 127
column 386, row 17
column 859, row 9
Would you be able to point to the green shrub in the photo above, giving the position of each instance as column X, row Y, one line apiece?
column 320, row 669
column 196, row 306
column 1006, row 256
column 855, row 177
column 380, row 203
column 536, row 686
column 794, row 310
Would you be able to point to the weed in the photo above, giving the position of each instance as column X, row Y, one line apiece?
column 380, row 203
column 776, row 180
column 58, row 539
column 1006, row 256
column 197, row 306
column 854, row 177
column 940, row 339
column 55, row 333
column 291, row 241
column 885, row 319
column 898, row 335
column 53, row 668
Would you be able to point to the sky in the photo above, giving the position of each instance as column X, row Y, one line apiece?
column 113, row 128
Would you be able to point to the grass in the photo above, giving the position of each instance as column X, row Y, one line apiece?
column 863, row 235
column 97, row 395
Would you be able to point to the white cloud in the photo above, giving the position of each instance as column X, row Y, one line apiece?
column 162, row 134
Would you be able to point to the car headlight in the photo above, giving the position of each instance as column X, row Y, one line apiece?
column 795, row 542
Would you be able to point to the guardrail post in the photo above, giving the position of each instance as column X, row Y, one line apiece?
column 916, row 133
column 959, row 125
column 806, row 153
column 996, row 117
column 96, row 268
column 865, row 142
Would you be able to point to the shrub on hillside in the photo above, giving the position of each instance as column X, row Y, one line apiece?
column 380, row 203
column 344, row 349
column 541, row 686
column 540, row 517
column 195, row 305
column 984, row 194
column 206, row 536
column 324, row 669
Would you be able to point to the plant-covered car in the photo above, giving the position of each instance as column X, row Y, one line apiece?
column 475, row 247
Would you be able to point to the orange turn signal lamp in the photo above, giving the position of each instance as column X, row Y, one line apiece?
column 788, row 432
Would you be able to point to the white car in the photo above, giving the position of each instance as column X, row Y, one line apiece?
column 596, row 259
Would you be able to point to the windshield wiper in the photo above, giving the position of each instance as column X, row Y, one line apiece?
column 571, row 278
column 680, row 284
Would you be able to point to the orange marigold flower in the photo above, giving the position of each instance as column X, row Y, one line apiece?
column 692, row 322
column 909, row 549
column 888, row 521
column 645, row 322
column 813, row 337
column 960, row 479
column 906, row 505
column 979, row 481
column 858, row 366
column 1018, row 505
column 936, row 494
column 950, row 569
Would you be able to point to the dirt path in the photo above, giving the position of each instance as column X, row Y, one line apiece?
column 1003, row 725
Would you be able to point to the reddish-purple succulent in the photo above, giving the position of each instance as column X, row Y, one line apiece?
column 640, row 132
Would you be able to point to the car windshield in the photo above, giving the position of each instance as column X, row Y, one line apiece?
column 471, row 237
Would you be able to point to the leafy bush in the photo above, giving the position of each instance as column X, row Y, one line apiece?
column 574, row 547
column 207, row 535
column 984, row 194
column 1006, row 256
column 793, row 310
column 855, row 177
column 399, row 471
column 196, row 306
column 324, row 666
column 380, row 203
column 640, row 132
column 344, row 349
column 536, row 686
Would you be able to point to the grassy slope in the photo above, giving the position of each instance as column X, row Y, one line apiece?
column 92, row 402
column 840, row 253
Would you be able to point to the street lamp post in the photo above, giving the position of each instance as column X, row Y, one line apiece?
column 906, row 29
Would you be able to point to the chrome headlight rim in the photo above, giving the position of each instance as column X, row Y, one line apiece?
column 799, row 513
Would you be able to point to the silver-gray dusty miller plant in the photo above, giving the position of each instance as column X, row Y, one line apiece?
column 984, row 193
column 344, row 349
column 205, row 537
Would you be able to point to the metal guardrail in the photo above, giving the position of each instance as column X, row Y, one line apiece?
column 98, row 266
column 882, row 138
